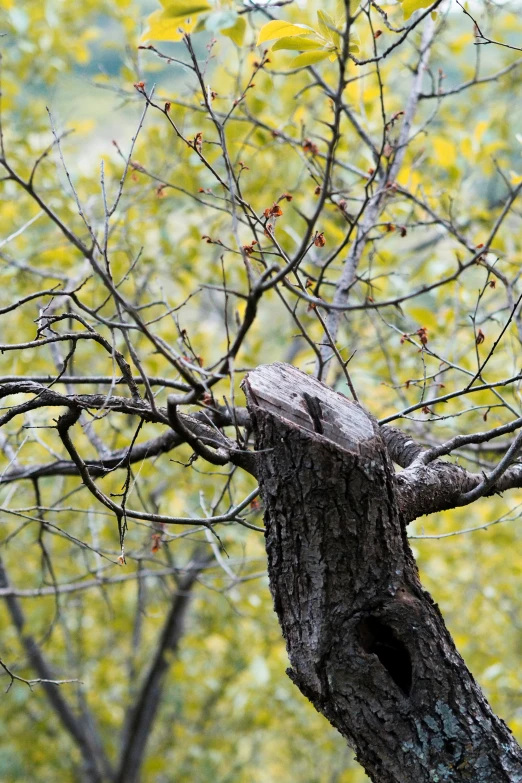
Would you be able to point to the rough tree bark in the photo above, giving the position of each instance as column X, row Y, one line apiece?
column 367, row 645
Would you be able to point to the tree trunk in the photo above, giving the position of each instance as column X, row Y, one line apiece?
column 367, row 645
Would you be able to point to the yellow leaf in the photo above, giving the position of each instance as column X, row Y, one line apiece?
column 410, row 6
column 82, row 126
column 467, row 148
column 445, row 152
column 328, row 28
column 181, row 9
column 489, row 149
column 409, row 178
column 9, row 210
column 298, row 43
column 459, row 44
column 479, row 130
column 424, row 316
column 279, row 29
column 310, row 58
column 300, row 115
column 165, row 29
column 236, row 33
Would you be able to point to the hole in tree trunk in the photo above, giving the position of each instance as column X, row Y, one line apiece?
column 379, row 639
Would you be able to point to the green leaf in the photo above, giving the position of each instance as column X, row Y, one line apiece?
column 278, row 29
column 299, row 43
column 237, row 32
column 310, row 58
column 410, row 6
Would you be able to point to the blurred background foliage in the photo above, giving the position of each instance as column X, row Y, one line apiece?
column 229, row 713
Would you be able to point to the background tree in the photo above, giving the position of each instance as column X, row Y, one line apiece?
column 346, row 202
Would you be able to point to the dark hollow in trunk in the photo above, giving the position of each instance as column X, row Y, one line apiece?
column 367, row 645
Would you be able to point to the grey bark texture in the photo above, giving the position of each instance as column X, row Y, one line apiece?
column 367, row 645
